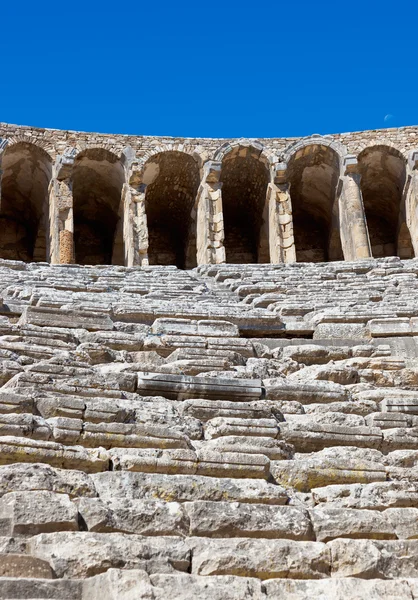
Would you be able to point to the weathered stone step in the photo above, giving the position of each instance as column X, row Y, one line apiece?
column 180, row 387
column 186, row 488
column 25, row 588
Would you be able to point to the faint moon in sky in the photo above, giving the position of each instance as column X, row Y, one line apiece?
column 388, row 118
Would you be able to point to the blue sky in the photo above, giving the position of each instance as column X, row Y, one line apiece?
column 193, row 68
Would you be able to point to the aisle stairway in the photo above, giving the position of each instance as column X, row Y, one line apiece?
column 231, row 432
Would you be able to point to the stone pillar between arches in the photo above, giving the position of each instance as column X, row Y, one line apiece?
column 353, row 225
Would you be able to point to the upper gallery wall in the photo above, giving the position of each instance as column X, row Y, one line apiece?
column 85, row 198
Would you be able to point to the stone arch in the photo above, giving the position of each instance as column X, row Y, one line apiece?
column 315, row 140
column 267, row 156
column 97, row 179
column 44, row 147
column 198, row 153
column 314, row 167
column 24, row 218
column 245, row 176
column 172, row 178
column 383, row 176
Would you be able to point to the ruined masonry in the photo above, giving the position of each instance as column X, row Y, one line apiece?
column 209, row 367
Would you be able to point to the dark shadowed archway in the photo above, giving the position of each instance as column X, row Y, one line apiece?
column 383, row 175
column 24, row 219
column 173, row 180
column 98, row 178
column 313, row 177
column 245, row 177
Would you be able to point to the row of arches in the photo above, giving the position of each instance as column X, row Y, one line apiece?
column 172, row 179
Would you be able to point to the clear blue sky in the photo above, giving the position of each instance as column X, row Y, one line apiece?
column 193, row 68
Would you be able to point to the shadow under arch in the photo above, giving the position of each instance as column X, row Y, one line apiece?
column 24, row 215
column 172, row 178
column 313, row 174
column 98, row 178
column 383, row 176
column 245, row 175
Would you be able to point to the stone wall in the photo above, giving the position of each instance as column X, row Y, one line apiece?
column 144, row 200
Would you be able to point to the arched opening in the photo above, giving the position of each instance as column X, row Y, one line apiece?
column 383, row 174
column 245, row 176
column 172, row 180
column 98, row 178
column 313, row 178
column 24, row 223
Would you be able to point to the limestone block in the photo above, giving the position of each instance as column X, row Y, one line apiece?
column 235, row 344
column 331, row 523
column 25, row 588
column 154, row 461
column 23, row 477
column 303, row 475
column 404, row 522
column 231, row 519
column 390, row 420
column 16, row 449
column 320, row 392
column 204, row 328
column 102, row 410
column 309, row 437
column 68, row 406
column 232, row 464
column 19, row 565
column 333, row 372
column 132, row 435
column 225, row 426
column 29, row 513
column 341, row 331
column 34, row 315
column 11, row 402
column 205, row 410
column 145, row 517
column 355, row 406
column 178, row 387
column 117, row 584
column 187, row 488
column 389, row 327
column 117, row 340
column 65, row 430
column 403, row 404
column 373, row 559
column 329, row 418
column 83, row 554
column 400, row 438
column 193, row 587
column 374, row 495
column 166, row 344
column 350, row 588
column 270, row 447
column 403, row 458
column 265, row 559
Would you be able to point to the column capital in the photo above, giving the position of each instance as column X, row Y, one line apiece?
column 350, row 165
column 280, row 173
column 64, row 164
column 212, row 171
column 3, row 144
column 413, row 160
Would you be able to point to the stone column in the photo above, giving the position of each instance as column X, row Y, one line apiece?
column 3, row 144
column 61, row 216
column 209, row 217
column 353, row 225
column 135, row 228
column 411, row 199
column 281, row 240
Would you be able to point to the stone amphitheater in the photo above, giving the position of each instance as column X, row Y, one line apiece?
column 209, row 367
